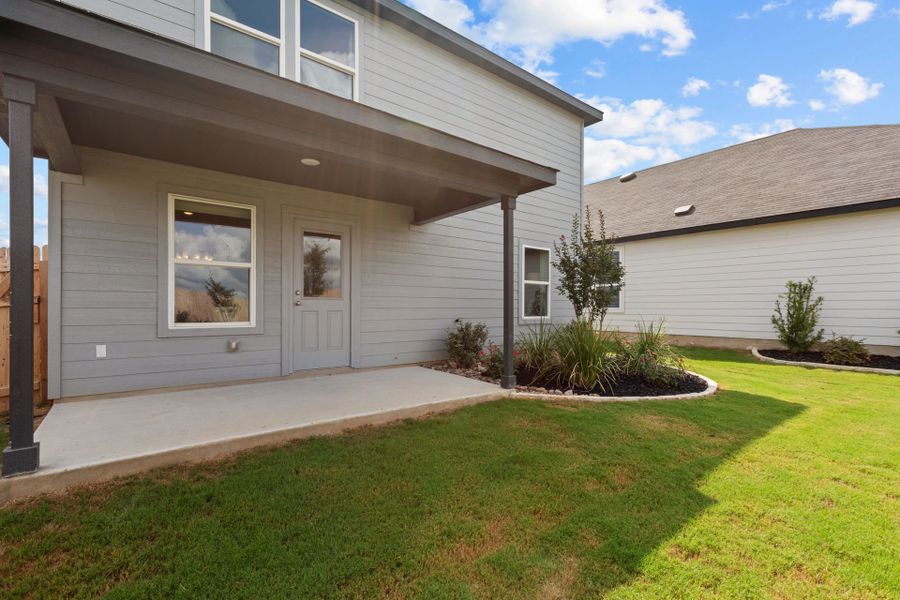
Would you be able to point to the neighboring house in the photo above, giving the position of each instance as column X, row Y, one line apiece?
column 244, row 189
column 809, row 202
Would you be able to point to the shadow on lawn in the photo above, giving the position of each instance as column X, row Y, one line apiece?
column 512, row 498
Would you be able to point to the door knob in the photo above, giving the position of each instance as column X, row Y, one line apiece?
column 298, row 292
column 298, row 302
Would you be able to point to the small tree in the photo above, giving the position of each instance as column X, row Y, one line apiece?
column 796, row 322
column 590, row 276
column 221, row 297
column 314, row 270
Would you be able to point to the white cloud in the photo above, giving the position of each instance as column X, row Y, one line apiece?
column 40, row 183
column 848, row 87
column 857, row 11
column 816, row 105
column 694, row 86
column 774, row 5
column 746, row 133
column 450, row 13
column 640, row 132
column 651, row 121
column 769, row 91
column 597, row 69
column 530, row 36
column 607, row 158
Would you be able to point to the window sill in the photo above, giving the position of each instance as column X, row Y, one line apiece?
column 169, row 332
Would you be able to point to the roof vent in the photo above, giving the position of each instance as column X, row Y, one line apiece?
column 627, row 177
column 683, row 211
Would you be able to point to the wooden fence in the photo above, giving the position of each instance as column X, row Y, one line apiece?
column 41, row 257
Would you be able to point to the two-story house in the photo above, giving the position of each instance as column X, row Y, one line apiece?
column 248, row 188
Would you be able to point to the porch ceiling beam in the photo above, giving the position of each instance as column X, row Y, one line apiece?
column 112, row 95
column 53, row 136
column 429, row 213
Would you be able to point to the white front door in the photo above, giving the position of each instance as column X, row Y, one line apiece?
column 321, row 295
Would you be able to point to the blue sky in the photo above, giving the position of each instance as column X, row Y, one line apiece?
column 758, row 67
column 676, row 78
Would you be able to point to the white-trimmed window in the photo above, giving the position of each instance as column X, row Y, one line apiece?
column 212, row 263
column 328, row 50
column 535, row 282
column 617, row 303
column 248, row 31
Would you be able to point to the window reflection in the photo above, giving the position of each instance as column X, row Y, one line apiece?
column 321, row 265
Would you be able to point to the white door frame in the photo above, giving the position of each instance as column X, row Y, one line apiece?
column 289, row 214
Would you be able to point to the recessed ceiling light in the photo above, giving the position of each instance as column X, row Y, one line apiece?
column 310, row 162
column 187, row 213
column 685, row 210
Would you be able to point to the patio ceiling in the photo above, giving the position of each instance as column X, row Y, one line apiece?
column 105, row 85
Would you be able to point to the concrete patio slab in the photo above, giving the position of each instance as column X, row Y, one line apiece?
column 94, row 440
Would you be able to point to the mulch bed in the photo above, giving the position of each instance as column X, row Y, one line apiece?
column 876, row 361
column 685, row 383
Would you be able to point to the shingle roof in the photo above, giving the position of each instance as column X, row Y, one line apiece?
column 799, row 171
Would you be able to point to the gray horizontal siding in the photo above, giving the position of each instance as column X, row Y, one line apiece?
column 170, row 18
column 724, row 283
column 413, row 281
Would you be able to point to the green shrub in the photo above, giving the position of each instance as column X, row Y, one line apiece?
column 845, row 351
column 538, row 356
column 585, row 357
column 796, row 322
column 649, row 355
column 464, row 344
column 492, row 361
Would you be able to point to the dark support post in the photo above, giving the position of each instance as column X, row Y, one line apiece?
column 508, row 204
column 22, row 454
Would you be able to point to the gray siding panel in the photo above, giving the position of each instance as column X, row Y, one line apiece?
column 173, row 19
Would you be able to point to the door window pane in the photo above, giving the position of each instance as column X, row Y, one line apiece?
column 537, row 265
column 212, row 232
column 327, row 34
column 211, row 294
column 321, row 265
column 262, row 15
column 328, row 79
column 243, row 48
column 535, row 301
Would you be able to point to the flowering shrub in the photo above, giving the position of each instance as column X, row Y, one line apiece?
column 492, row 361
column 465, row 343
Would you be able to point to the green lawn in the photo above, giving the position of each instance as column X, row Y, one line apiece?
column 784, row 485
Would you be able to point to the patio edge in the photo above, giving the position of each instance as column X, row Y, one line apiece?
column 54, row 482
column 813, row 365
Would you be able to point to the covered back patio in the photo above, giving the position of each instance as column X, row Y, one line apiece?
column 97, row 439
column 70, row 79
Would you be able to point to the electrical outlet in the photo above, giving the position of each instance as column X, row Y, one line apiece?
column 101, row 350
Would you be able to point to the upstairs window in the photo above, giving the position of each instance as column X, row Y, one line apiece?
column 535, row 283
column 247, row 31
column 328, row 53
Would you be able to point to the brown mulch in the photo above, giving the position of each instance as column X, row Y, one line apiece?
column 623, row 386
